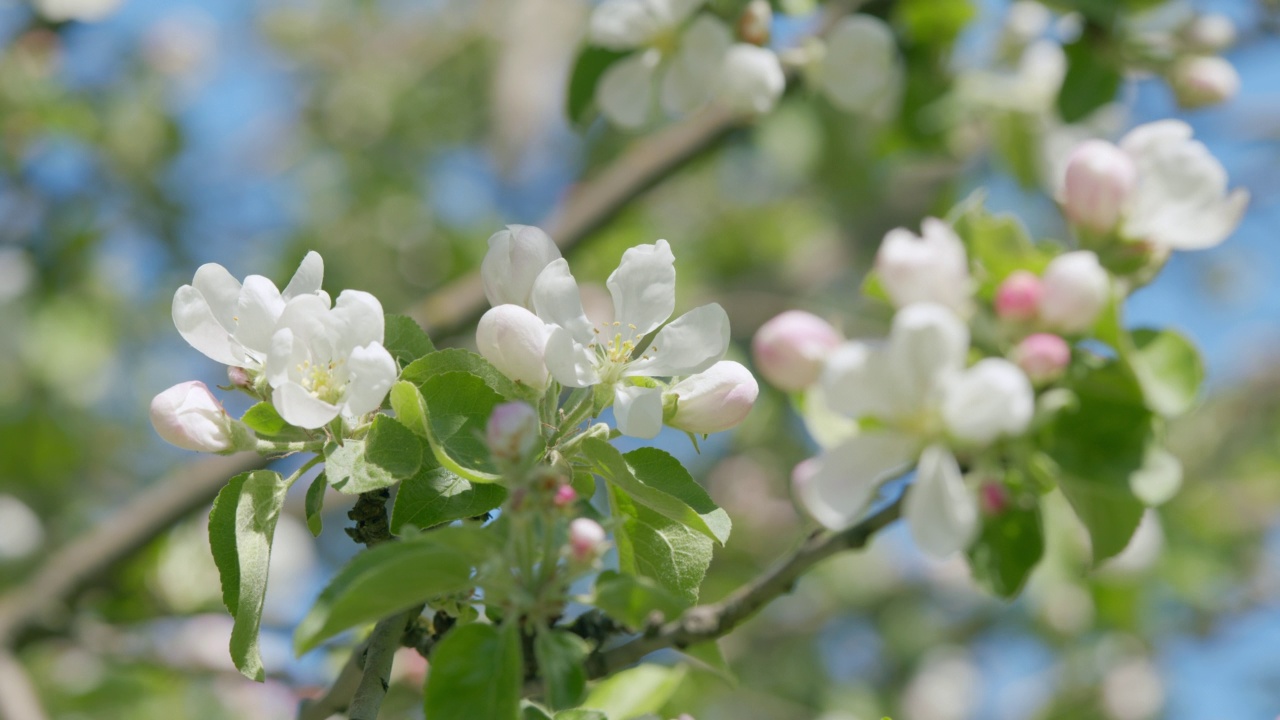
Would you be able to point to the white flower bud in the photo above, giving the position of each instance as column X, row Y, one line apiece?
column 516, row 255
column 1018, row 297
column 791, row 348
column 931, row 267
column 515, row 340
column 586, row 540
column 1200, row 81
column 753, row 79
column 512, row 431
column 1076, row 289
column 1043, row 357
column 1210, row 33
column 189, row 416
column 715, row 399
column 1099, row 181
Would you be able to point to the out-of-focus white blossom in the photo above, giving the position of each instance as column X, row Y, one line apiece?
column 512, row 431
column 1202, row 80
column 931, row 267
column 1210, row 33
column 1132, row 690
column 189, row 416
column 586, row 540
column 1076, row 289
column 790, row 349
column 81, row 10
column 756, row 22
column 1025, row 21
column 752, row 79
column 1100, row 179
column 514, row 340
column 517, row 253
column 715, row 399
column 21, row 532
column 860, row 70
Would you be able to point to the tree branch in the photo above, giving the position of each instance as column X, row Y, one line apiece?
column 18, row 699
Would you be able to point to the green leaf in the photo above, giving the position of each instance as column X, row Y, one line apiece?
column 405, row 339
column 708, row 656
column 934, row 22
column 476, row 672
column 314, row 504
column 263, row 419
column 451, row 411
column 658, row 469
column 999, row 245
column 560, row 656
column 391, row 578
column 635, row 692
column 631, row 600
column 1018, row 142
column 389, row 453
column 661, row 497
column 1008, row 549
column 580, row 714
column 242, row 524
column 1169, row 369
column 436, row 496
column 653, row 546
column 532, row 711
column 587, row 70
column 458, row 360
column 1093, row 78
column 584, row 484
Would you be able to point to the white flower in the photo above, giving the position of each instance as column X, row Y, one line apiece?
column 931, row 267
column 81, row 10
column 1203, row 80
column 715, row 399
column 233, row 322
column 514, row 339
column 1210, row 33
column 924, row 402
column 1074, row 290
column 580, row 354
column 516, row 255
column 790, row 349
column 325, row 362
column 860, row 70
column 752, row 79
column 1099, row 181
column 189, row 416
column 628, row 24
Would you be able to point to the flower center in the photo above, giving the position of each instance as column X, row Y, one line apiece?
column 321, row 380
column 614, row 354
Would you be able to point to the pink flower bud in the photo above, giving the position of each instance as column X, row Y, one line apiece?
column 1043, row 357
column 1076, row 289
column 755, row 22
column 189, row 416
column 791, row 348
column 1018, row 296
column 513, row 431
column 993, row 498
column 564, row 497
column 239, row 377
column 1200, row 81
column 586, row 540
column 715, row 399
column 1100, row 178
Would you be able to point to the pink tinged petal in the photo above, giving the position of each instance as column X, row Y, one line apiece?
column 515, row 341
column 361, row 319
column 791, row 348
column 989, row 400
column 517, row 255
column 557, row 300
column 189, row 416
column 714, row 400
column 846, row 478
column 258, row 310
column 690, row 344
column 571, row 364
column 942, row 512
column 644, row 288
column 301, row 408
column 220, row 290
column 625, row 91
column 198, row 325
column 927, row 344
column 307, row 278
column 638, row 410
column 691, row 75
column 371, row 371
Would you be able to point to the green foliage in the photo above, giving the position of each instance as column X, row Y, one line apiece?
column 654, row 546
column 934, row 22
column 1168, row 368
column 405, row 339
column 435, row 496
column 1093, row 78
column 631, row 600
column 263, row 419
column 635, row 692
column 242, row 524
column 314, row 504
column 476, row 672
column 389, row 453
column 998, row 244
column 587, row 71
column 457, row 360
column 392, row 577
column 1010, row 546
column 451, row 411
column 560, row 655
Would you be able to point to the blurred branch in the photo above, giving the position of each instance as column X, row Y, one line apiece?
column 18, row 699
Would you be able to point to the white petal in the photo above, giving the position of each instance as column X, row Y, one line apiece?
column 557, row 300
column 858, row 381
column 846, row 478
column 861, row 72
column 926, row 344
column 517, row 254
column 625, row 91
column 990, row 399
column 638, row 410
column 714, row 400
column 691, row 74
column 371, row 371
column 627, row 24
column 313, row 327
column 690, row 344
column 286, row 354
column 931, row 267
column 197, row 324
column 515, row 341
column 220, row 290
column 644, row 288
column 569, row 362
column 941, row 511
column 827, row 427
column 752, row 79
column 361, row 318
column 301, row 408
column 308, row 278
column 258, row 310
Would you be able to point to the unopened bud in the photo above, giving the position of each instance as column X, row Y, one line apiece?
column 1210, row 33
column 512, row 431
column 752, row 79
column 239, row 377
column 564, row 497
column 515, row 341
column 1043, row 357
column 715, row 399
column 516, row 255
column 1100, row 178
column 756, row 22
column 1200, row 81
column 993, row 498
column 189, row 416
column 1076, row 289
column 1018, row 297
column 791, row 348
column 586, row 540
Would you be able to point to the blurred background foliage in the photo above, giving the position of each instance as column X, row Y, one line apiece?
column 393, row 136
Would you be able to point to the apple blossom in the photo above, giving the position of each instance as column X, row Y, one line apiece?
column 232, row 322
column 79, row 10
column 1210, row 33
column 1100, row 179
column 189, row 416
column 713, row 400
column 1018, row 297
column 514, row 339
column 752, row 79
column 580, row 353
column 1203, row 80
column 924, row 402
column 564, row 497
column 1075, row 290
column 930, row 267
column 512, row 431
column 860, row 70
column 586, row 540
column 1025, row 21
column 325, row 362
column 790, row 349
column 1043, row 357
column 516, row 255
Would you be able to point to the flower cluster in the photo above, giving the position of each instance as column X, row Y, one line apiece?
column 538, row 333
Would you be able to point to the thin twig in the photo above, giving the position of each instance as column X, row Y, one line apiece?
column 18, row 699
column 338, row 698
